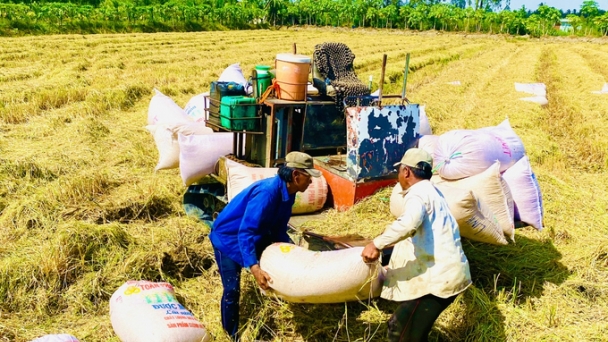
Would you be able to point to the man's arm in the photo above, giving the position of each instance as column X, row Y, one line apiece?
column 402, row 228
column 258, row 206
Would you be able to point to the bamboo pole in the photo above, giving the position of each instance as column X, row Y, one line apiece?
column 381, row 80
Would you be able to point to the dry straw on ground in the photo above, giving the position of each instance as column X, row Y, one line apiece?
column 81, row 210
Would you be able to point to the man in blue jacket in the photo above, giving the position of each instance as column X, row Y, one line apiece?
column 253, row 220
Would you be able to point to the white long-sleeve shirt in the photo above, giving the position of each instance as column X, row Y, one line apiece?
column 428, row 256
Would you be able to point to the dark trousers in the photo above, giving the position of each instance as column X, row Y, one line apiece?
column 413, row 319
column 230, row 272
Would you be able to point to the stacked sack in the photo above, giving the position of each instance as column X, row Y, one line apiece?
column 240, row 177
column 491, row 166
column 182, row 138
column 184, row 141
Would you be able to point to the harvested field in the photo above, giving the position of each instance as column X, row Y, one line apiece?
column 81, row 210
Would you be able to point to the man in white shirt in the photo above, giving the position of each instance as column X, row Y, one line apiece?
column 427, row 269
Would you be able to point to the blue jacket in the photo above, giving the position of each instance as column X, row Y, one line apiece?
column 253, row 220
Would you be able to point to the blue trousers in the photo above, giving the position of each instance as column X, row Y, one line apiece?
column 230, row 272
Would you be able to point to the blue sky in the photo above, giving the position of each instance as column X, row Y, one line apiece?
column 559, row 4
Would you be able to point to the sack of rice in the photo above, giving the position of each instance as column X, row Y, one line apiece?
column 526, row 193
column 167, row 144
column 198, row 154
column 197, row 107
column 240, row 177
column 303, row 276
column 489, row 188
column 234, row 73
column 425, row 126
column 475, row 220
column 463, row 153
column 428, row 143
column 163, row 110
column 145, row 311
column 509, row 140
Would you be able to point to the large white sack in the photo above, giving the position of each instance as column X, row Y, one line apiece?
column 56, row 338
column 167, row 144
column 196, row 108
column 240, row 177
column 526, row 193
column 428, row 143
column 163, row 110
column 198, row 154
column 475, row 219
column 489, row 188
column 233, row 73
column 464, row 153
column 425, row 126
column 511, row 143
column 145, row 311
column 538, row 89
column 304, row 276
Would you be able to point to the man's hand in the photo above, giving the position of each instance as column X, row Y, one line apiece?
column 370, row 253
column 262, row 278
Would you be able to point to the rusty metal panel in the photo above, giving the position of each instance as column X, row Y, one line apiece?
column 377, row 138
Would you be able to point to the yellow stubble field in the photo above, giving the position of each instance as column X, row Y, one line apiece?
column 81, row 210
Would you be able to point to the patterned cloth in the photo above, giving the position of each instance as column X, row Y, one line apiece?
column 334, row 63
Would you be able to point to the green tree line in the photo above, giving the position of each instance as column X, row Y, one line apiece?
column 488, row 16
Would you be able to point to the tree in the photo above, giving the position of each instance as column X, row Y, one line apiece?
column 549, row 16
column 602, row 23
column 590, row 9
column 575, row 21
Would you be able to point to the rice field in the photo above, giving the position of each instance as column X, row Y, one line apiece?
column 81, row 210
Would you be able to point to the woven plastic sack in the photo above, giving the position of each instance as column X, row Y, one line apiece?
column 465, row 153
column 313, row 199
column 163, row 110
column 198, row 154
column 511, row 143
column 489, row 188
column 196, row 108
column 56, row 338
column 526, row 193
column 538, row 89
column 165, row 138
column 425, row 126
column 234, row 73
column 475, row 220
column 303, row 276
column 145, row 311
column 428, row 143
